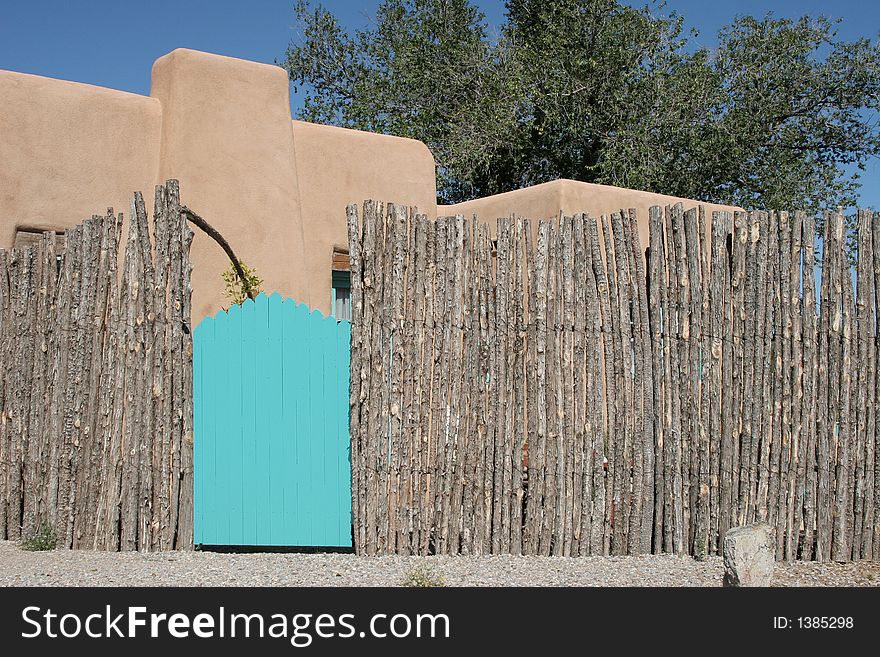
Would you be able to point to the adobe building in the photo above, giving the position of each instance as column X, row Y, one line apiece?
column 275, row 188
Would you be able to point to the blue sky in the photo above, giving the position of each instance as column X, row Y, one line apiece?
column 114, row 43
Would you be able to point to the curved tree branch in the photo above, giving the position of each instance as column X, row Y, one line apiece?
column 212, row 232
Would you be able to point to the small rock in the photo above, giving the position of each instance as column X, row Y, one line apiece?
column 748, row 555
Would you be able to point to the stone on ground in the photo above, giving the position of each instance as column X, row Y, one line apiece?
column 749, row 555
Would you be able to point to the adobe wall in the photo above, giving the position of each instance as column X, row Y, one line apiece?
column 275, row 188
column 226, row 136
column 572, row 197
column 68, row 151
column 338, row 167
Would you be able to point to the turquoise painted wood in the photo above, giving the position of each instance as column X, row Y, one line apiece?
column 272, row 459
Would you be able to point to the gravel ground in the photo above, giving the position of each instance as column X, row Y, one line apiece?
column 85, row 568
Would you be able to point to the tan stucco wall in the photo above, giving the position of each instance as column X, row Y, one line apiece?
column 70, row 150
column 570, row 197
column 226, row 136
column 339, row 167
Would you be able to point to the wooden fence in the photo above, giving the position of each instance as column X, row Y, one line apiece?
column 96, row 387
column 562, row 391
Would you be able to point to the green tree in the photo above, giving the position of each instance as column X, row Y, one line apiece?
column 598, row 91
column 596, row 79
column 786, row 107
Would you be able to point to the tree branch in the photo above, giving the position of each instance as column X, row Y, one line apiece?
column 212, row 232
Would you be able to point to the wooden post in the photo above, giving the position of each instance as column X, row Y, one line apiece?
column 645, row 401
column 864, row 376
column 795, row 373
column 842, row 536
column 656, row 293
column 810, row 405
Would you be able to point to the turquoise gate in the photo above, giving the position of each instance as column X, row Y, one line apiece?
column 271, row 444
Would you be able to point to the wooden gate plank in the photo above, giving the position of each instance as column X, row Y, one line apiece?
column 290, row 367
column 300, row 393
column 272, row 400
column 323, row 413
column 343, row 444
column 234, row 354
column 314, row 438
column 261, row 497
column 225, row 431
column 246, row 421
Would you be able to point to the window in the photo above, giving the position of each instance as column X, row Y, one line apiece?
column 25, row 237
column 342, row 295
column 340, row 303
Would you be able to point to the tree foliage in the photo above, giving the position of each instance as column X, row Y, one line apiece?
column 599, row 91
